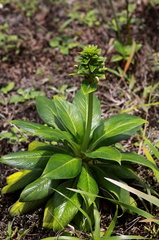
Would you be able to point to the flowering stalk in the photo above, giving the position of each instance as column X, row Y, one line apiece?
column 91, row 67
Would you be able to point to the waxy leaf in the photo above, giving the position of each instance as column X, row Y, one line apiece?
column 61, row 238
column 100, row 175
column 20, row 179
column 105, row 153
column 62, row 166
column 70, row 116
column 48, row 214
column 36, row 145
column 50, row 134
column 116, row 126
column 87, row 183
column 27, row 160
column 47, row 111
column 135, row 158
column 81, row 102
column 140, row 194
column 38, row 189
column 23, row 207
column 64, row 210
column 27, row 126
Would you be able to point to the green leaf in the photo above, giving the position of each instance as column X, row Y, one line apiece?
column 36, row 145
column 81, row 102
column 116, row 58
column 121, row 123
column 124, row 237
column 8, row 87
column 132, row 208
column 62, row 166
column 136, row 158
column 111, row 226
column 140, row 194
column 121, row 171
column 48, row 214
column 70, row 117
column 116, row 125
column 61, row 238
column 47, row 111
column 27, row 160
column 105, row 153
column 38, row 189
column 50, row 134
column 27, row 126
column 24, row 207
column 87, row 183
column 64, row 209
column 20, row 179
column 119, row 47
column 88, row 87
column 100, row 174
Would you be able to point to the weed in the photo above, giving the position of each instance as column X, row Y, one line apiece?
column 122, row 18
column 124, row 52
column 63, row 91
column 10, row 43
column 78, row 158
column 20, row 96
column 64, row 43
column 89, row 18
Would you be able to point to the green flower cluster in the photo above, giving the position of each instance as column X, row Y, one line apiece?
column 91, row 66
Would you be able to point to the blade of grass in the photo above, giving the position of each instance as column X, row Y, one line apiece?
column 150, row 199
column 112, row 225
column 96, row 233
column 79, row 208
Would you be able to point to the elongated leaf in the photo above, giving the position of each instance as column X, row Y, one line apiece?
column 116, row 126
column 124, row 237
column 20, row 179
column 81, row 102
column 61, row 238
column 151, row 147
column 97, row 219
column 27, row 160
column 87, row 183
column 50, row 134
column 70, row 116
column 150, row 158
column 140, row 194
column 64, row 210
column 27, row 126
column 121, row 123
column 24, row 207
column 62, row 166
column 112, row 225
column 119, row 193
column 47, row 111
column 121, row 171
column 132, row 208
column 48, row 214
column 119, row 47
column 136, row 158
column 38, row 189
column 35, row 145
column 105, row 153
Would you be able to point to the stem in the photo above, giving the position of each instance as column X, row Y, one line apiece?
column 116, row 21
column 89, row 122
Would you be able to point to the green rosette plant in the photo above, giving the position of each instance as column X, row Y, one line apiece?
column 77, row 160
